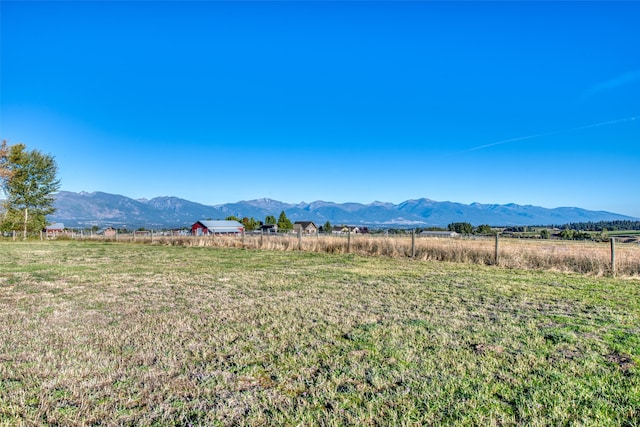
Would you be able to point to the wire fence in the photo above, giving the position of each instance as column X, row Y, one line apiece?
column 587, row 257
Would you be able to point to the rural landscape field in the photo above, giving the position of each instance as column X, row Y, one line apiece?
column 119, row 333
column 319, row 213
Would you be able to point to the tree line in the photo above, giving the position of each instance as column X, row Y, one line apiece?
column 250, row 224
column 282, row 222
column 603, row 225
column 28, row 179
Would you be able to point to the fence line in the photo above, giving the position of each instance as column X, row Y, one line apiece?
column 577, row 256
column 598, row 258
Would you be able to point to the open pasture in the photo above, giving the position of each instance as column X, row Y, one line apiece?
column 130, row 334
column 586, row 257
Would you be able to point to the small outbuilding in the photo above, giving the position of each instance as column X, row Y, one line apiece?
column 306, row 227
column 54, row 229
column 269, row 228
column 442, row 234
column 345, row 229
column 107, row 232
column 206, row 228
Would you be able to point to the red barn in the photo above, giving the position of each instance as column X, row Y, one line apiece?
column 54, row 229
column 206, row 228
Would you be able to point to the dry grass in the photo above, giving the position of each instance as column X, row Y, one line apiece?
column 585, row 257
column 127, row 334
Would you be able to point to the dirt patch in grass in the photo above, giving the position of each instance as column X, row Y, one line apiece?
column 487, row 349
column 623, row 361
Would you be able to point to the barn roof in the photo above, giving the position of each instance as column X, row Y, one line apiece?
column 219, row 223
column 55, row 226
column 222, row 226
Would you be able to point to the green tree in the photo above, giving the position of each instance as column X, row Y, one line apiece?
column 12, row 219
column 250, row 224
column 461, row 227
column 284, row 223
column 484, row 229
column 270, row 219
column 327, row 228
column 5, row 171
column 232, row 218
column 29, row 181
column 544, row 233
column 567, row 234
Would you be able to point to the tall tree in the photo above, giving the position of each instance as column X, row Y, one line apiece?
column 327, row 227
column 284, row 223
column 250, row 224
column 29, row 184
column 5, row 172
column 270, row 219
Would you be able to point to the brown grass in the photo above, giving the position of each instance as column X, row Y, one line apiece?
column 585, row 257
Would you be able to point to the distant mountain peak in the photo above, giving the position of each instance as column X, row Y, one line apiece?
column 383, row 204
column 103, row 209
column 263, row 202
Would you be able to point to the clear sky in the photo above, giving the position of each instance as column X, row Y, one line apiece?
column 492, row 102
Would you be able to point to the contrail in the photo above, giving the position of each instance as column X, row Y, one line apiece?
column 613, row 83
column 610, row 122
column 538, row 135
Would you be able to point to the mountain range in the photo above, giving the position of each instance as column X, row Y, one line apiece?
column 102, row 209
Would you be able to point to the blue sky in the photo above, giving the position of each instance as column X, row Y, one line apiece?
column 492, row 102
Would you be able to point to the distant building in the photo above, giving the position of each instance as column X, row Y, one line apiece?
column 206, row 228
column 54, row 229
column 269, row 228
column 442, row 234
column 107, row 232
column 306, row 227
column 345, row 229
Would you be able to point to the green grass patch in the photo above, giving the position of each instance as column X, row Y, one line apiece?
column 623, row 233
column 127, row 334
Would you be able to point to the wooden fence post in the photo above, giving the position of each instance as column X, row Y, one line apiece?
column 413, row 243
column 496, row 255
column 243, row 238
column 349, row 242
column 386, row 242
column 613, row 256
column 300, row 238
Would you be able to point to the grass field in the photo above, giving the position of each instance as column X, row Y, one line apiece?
column 586, row 257
column 129, row 334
